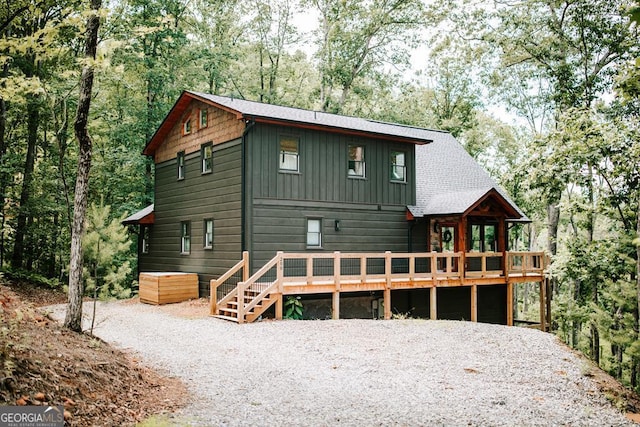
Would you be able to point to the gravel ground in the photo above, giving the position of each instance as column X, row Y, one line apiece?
column 361, row 372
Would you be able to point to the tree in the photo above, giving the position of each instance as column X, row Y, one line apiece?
column 73, row 318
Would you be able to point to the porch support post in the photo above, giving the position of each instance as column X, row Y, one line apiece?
column 433, row 304
column 387, row 304
column 474, row 303
column 279, row 306
column 213, row 297
column 335, row 302
column 279, row 278
column 543, row 306
column 509, row 303
column 387, row 286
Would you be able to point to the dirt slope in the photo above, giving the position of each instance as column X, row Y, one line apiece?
column 42, row 363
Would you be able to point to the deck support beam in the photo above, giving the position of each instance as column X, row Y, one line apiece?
column 433, row 303
column 279, row 307
column 509, row 303
column 335, row 305
column 543, row 306
column 474, row 303
column 387, row 304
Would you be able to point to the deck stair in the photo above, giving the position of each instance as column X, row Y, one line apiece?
column 253, row 299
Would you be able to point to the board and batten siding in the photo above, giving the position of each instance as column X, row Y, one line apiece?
column 371, row 210
column 323, row 174
column 197, row 197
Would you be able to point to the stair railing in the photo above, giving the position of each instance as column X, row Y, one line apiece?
column 243, row 265
column 243, row 286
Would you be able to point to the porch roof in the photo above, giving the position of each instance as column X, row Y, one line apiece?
column 143, row 216
column 449, row 181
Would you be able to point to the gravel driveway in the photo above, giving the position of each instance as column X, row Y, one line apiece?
column 361, row 372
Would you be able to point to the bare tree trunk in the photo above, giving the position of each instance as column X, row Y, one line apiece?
column 3, row 174
column 635, row 363
column 33, row 118
column 73, row 319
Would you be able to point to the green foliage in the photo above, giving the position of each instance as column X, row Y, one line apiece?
column 107, row 264
column 293, row 308
column 31, row 277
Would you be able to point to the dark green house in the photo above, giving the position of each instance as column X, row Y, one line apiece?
column 234, row 175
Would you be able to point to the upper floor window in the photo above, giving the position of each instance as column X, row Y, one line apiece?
column 181, row 167
column 203, row 118
column 208, row 233
column 356, row 161
column 186, row 127
column 314, row 232
column 206, row 154
column 398, row 166
column 289, row 154
column 185, row 237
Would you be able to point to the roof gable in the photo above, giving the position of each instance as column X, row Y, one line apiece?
column 450, row 181
column 295, row 117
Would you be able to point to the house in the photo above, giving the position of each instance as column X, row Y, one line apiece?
column 235, row 176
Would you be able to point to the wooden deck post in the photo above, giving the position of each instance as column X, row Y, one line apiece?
column 279, row 278
column 474, row 303
column 387, row 286
column 433, row 303
column 213, row 297
column 509, row 303
column 245, row 269
column 543, row 306
column 335, row 302
column 241, row 287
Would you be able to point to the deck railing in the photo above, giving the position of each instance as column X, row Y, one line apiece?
column 306, row 272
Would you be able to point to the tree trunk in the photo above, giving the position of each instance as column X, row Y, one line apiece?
column 636, row 362
column 33, row 117
column 73, row 319
column 3, row 174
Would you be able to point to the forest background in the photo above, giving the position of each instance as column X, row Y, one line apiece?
column 543, row 93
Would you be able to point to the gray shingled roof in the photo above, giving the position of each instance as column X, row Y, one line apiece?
column 134, row 218
column 318, row 118
column 449, row 180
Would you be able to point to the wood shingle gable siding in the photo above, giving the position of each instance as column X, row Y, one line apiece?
column 222, row 127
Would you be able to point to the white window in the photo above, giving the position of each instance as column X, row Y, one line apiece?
column 208, row 233
column 289, row 154
column 356, row 161
column 185, row 237
column 206, row 154
column 398, row 166
column 180, row 160
column 314, row 232
column 186, row 127
column 203, row 122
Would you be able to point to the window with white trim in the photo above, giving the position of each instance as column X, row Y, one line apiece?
column 289, row 159
column 356, row 167
column 208, row 233
column 146, row 232
column 206, row 154
column 186, row 127
column 203, row 118
column 314, row 232
column 181, row 166
column 185, row 237
column 398, row 166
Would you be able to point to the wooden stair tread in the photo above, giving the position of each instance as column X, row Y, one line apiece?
column 223, row 317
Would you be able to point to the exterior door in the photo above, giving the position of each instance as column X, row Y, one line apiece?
column 448, row 244
column 483, row 237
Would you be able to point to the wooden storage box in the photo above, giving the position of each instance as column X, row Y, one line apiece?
column 164, row 288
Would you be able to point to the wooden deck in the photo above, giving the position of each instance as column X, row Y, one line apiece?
column 333, row 273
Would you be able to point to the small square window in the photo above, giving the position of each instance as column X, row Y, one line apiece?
column 206, row 154
column 314, row 232
column 289, row 154
column 203, row 118
column 186, row 127
column 181, row 168
column 185, row 237
column 208, row 233
column 398, row 166
column 356, row 167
